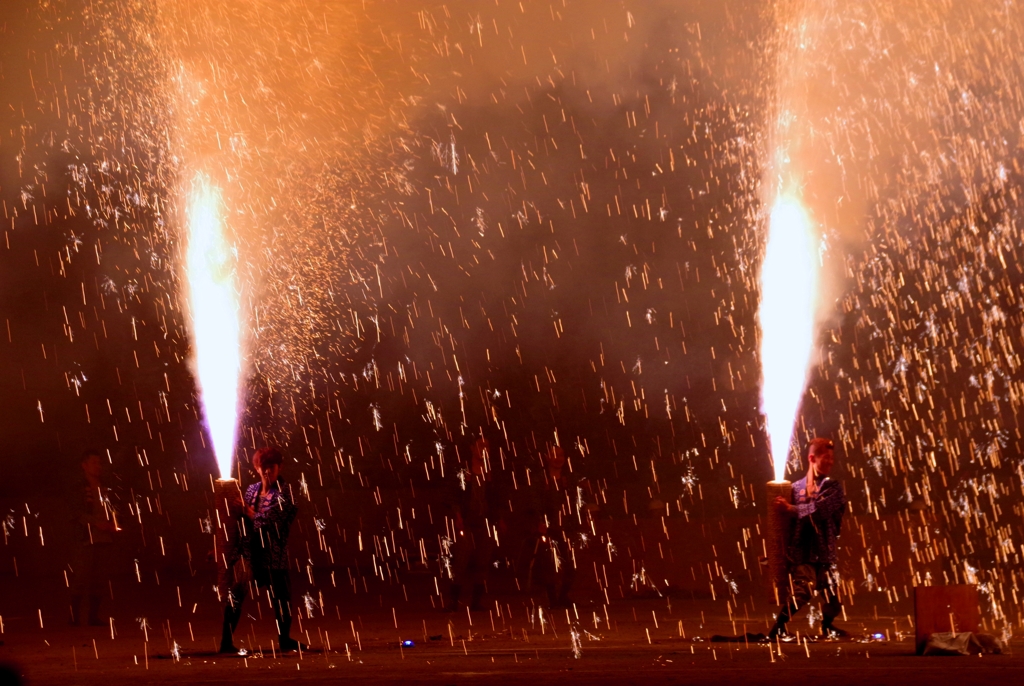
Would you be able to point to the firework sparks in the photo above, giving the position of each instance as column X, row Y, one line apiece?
column 214, row 309
column 404, row 232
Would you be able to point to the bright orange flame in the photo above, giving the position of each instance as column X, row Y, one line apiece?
column 214, row 308
column 789, row 286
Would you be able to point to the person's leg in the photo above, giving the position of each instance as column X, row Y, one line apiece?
column 483, row 559
column 478, row 594
column 281, row 595
column 568, row 576
column 544, row 573
column 94, row 610
column 82, row 580
column 232, row 615
column 453, row 597
column 831, row 605
column 461, row 553
column 238, row 596
column 802, row 579
column 476, row 567
column 227, row 644
column 98, row 577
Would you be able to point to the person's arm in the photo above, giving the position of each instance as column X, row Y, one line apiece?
column 247, row 506
column 830, row 501
column 788, row 506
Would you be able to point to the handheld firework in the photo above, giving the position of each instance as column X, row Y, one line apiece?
column 216, row 336
column 214, row 308
column 789, row 282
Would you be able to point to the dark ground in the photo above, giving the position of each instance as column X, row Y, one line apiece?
column 494, row 649
column 662, row 609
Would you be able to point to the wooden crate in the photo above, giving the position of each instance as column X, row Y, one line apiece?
column 940, row 609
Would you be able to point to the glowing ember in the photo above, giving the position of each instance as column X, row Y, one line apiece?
column 214, row 309
column 789, row 281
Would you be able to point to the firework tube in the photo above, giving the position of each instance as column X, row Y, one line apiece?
column 777, row 535
column 227, row 500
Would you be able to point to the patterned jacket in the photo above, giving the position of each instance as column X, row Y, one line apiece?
column 274, row 515
column 816, row 526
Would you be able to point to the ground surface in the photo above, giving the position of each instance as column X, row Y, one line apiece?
column 513, row 650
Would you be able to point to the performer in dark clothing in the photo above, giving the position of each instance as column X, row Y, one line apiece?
column 97, row 524
column 817, row 510
column 551, row 555
column 270, row 508
column 472, row 551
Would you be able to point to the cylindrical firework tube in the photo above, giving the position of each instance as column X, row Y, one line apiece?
column 227, row 499
column 777, row 535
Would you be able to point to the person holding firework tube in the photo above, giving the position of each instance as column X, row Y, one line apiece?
column 269, row 509
column 817, row 510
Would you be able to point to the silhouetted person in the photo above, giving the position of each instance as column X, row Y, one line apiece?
column 551, row 562
column 268, row 504
column 473, row 548
column 97, row 524
column 817, row 510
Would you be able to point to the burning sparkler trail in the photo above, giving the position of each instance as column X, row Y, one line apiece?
column 789, row 282
column 214, row 310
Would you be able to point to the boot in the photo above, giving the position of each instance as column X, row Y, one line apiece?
column 94, row 611
column 283, row 615
column 779, row 629
column 478, row 593
column 231, row 617
column 830, row 630
column 284, row 624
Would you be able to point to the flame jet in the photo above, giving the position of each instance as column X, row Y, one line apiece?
column 213, row 302
column 789, row 287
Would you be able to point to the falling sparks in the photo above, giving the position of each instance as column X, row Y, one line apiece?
column 576, row 642
column 430, row 253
